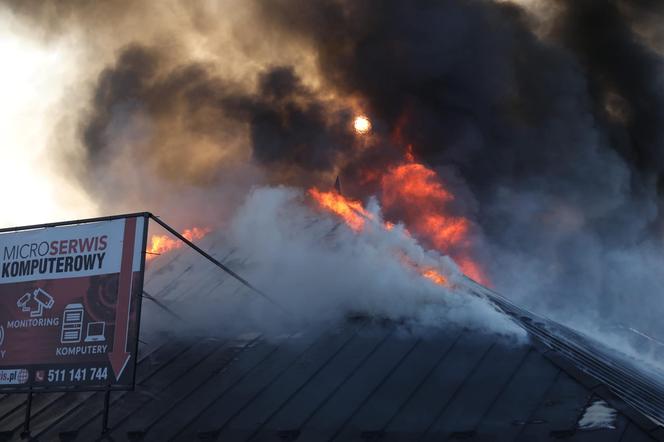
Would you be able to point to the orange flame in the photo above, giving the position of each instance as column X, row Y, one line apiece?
column 416, row 191
column 351, row 211
column 418, row 194
column 429, row 273
column 434, row 276
column 355, row 216
column 196, row 233
column 160, row 244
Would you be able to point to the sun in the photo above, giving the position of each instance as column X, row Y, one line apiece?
column 362, row 124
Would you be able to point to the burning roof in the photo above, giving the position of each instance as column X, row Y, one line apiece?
column 512, row 143
column 359, row 378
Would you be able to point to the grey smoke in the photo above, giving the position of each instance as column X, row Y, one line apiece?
column 317, row 271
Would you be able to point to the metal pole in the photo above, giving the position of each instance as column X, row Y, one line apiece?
column 107, row 405
column 78, row 221
column 161, row 305
column 141, row 284
column 28, row 409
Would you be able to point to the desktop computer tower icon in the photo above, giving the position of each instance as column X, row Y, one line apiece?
column 72, row 324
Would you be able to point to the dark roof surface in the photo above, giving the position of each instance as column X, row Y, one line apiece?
column 363, row 381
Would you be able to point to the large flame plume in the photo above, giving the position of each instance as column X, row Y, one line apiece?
column 419, row 196
column 356, row 217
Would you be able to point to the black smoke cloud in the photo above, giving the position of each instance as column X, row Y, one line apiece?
column 480, row 91
column 288, row 126
column 551, row 133
column 557, row 136
column 623, row 70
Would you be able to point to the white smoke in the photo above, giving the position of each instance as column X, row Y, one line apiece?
column 320, row 271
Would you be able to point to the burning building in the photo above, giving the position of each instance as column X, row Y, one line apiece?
column 504, row 134
column 214, row 366
column 477, row 145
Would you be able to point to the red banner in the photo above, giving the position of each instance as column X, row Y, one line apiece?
column 69, row 305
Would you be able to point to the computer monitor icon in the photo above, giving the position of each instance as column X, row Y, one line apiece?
column 95, row 332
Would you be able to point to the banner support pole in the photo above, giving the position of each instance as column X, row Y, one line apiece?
column 107, row 406
column 28, row 410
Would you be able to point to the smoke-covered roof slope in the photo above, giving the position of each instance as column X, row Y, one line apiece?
column 361, row 380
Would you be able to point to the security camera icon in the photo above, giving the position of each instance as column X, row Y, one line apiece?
column 22, row 302
column 35, row 303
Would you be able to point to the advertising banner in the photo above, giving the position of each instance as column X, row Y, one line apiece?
column 70, row 305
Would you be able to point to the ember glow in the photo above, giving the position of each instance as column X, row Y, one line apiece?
column 434, row 276
column 160, row 244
